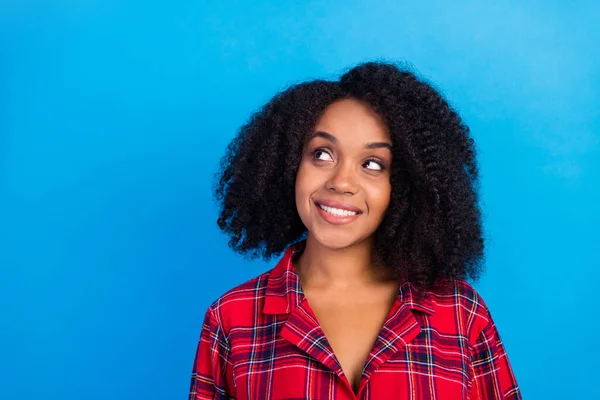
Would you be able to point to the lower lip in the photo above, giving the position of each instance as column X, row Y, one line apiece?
column 334, row 219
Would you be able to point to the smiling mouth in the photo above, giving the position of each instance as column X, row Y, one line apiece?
column 337, row 212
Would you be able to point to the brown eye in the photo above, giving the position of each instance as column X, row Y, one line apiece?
column 374, row 165
column 322, row 155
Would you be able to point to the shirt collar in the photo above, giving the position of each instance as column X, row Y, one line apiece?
column 284, row 293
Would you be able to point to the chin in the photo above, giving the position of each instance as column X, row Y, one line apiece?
column 336, row 240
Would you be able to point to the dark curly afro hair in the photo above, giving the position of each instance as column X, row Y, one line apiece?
column 432, row 229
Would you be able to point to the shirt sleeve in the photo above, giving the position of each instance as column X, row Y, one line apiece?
column 492, row 374
column 212, row 363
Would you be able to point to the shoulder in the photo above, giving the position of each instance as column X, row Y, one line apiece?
column 240, row 303
column 465, row 303
column 456, row 292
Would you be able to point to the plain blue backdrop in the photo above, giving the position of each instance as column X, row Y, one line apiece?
column 114, row 114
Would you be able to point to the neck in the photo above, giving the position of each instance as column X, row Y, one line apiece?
column 346, row 268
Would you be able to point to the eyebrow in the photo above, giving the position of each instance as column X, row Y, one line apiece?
column 333, row 139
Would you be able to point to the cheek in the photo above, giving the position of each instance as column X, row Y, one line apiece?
column 380, row 197
column 302, row 188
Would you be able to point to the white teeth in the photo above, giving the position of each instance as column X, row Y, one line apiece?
column 337, row 211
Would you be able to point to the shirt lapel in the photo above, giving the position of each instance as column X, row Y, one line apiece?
column 303, row 330
column 284, row 295
column 400, row 327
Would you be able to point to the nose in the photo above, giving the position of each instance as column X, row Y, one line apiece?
column 343, row 179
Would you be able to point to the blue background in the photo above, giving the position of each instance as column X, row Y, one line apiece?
column 114, row 114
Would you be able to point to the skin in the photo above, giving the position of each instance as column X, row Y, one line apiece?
column 346, row 159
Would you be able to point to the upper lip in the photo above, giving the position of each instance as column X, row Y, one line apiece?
column 337, row 204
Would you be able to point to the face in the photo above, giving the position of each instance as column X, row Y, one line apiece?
column 343, row 181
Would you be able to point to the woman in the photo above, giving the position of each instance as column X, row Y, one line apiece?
column 369, row 187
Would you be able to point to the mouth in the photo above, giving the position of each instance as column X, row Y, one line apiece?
column 338, row 214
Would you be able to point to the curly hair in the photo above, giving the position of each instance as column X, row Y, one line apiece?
column 432, row 228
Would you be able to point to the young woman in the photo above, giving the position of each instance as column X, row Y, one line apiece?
column 368, row 185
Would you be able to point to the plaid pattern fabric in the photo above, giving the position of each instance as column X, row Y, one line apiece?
column 261, row 341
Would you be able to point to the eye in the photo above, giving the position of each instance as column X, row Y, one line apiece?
column 322, row 155
column 374, row 165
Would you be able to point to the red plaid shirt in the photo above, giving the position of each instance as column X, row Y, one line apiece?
column 262, row 341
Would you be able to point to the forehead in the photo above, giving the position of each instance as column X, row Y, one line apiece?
column 352, row 118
